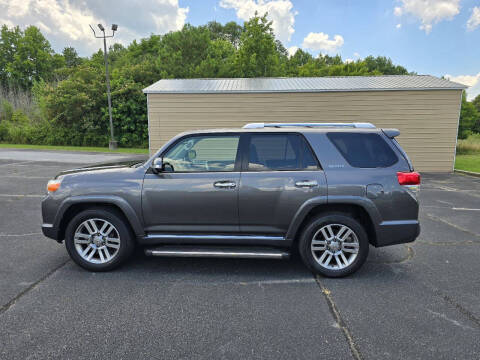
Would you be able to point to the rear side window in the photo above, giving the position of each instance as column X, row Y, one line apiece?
column 363, row 150
column 279, row 152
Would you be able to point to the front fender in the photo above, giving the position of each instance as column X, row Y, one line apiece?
column 121, row 203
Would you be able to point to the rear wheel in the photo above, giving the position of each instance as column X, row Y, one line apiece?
column 98, row 240
column 334, row 245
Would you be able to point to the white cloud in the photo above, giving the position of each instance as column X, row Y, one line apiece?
column 474, row 20
column 357, row 55
column 280, row 12
column 472, row 81
column 66, row 23
column 398, row 26
column 292, row 50
column 321, row 42
column 348, row 61
column 429, row 12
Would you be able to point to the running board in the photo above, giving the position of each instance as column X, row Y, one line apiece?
column 218, row 252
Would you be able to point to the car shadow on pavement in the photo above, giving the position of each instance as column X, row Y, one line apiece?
column 245, row 270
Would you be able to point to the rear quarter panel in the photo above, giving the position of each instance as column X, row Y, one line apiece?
column 343, row 180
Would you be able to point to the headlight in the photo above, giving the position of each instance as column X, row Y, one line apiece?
column 53, row 185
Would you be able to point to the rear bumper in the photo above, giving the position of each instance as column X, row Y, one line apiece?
column 51, row 232
column 397, row 232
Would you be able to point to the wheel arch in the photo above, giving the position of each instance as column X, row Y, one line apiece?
column 359, row 208
column 72, row 206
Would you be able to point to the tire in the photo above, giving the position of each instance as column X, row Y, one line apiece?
column 321, row 246
column 109, row 247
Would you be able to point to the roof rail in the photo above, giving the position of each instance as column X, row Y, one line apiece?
column 310, row 125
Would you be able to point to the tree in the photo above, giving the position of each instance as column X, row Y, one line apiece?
column 218, row 62
column 383, row 65
column 71, row 57
column 231, row 32
column 182, row 51
column 9, row 40
column 33, row 59
column 476, row 103
column 469, row 117
column 257, row 55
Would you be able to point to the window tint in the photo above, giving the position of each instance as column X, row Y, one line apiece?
column 202, row 153
column 279, row 152
column 363, row 150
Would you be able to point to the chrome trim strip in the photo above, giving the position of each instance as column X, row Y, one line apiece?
column 399, row 222
column 218, row 253
column 47, row 225
column 213, row 237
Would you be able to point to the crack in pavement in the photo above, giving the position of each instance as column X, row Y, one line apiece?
column 339, row 320
column 459, row 307
column 12, row 302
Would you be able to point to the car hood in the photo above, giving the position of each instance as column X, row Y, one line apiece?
column 121, row 163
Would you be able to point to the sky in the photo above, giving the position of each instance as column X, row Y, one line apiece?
column 436, row 37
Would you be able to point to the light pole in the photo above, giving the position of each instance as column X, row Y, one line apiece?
column 112, row 144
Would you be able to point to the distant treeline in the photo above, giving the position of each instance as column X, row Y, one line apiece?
column 60, row 99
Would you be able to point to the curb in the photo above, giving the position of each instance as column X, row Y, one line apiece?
column 464, row 172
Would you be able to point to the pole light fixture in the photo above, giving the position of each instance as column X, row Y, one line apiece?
column 112, row 144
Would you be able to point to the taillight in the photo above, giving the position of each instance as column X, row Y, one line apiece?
column 408, row 178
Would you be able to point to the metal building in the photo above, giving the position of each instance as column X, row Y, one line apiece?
column 424, row 108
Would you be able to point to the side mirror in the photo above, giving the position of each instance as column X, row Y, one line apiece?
column 157, row 165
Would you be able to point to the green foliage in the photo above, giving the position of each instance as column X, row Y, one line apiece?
column 257, row 55
column 60, row 99
column 469, row 118
column 383, row 65
column 33, row 59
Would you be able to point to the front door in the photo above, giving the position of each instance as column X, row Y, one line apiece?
column 198, row 189
column 279, row 173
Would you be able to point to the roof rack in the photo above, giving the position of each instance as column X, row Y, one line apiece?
column 310, row 125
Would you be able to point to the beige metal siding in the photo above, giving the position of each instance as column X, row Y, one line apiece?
column 427, row 119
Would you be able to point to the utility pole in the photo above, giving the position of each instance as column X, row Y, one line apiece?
column 112, row 144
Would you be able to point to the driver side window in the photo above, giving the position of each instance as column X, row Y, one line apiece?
column 202, row 154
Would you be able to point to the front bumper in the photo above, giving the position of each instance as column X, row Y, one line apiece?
column 51, row 232
column 397, row 232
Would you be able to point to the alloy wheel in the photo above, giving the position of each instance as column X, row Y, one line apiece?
column 335, row 246
column 97, row 241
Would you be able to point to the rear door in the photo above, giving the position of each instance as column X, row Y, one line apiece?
column 279, row 173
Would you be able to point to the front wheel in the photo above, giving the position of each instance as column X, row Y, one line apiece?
column 98, row 239
column 334, row 245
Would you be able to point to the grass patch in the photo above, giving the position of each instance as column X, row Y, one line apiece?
column 468, row 162
column 75, row 148
column 469, row 146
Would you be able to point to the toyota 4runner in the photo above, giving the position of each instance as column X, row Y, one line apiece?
column 327, row 191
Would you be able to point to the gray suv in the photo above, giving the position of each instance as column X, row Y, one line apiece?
column 326, row 191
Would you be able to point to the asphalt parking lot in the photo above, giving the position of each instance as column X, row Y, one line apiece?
column 420, row 300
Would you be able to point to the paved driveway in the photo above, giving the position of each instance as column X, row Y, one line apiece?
column 419, row 300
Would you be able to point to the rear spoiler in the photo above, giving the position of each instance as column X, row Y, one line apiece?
column 391, row 133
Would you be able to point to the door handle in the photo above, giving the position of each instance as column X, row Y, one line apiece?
column 224, row 184
column 306, row 183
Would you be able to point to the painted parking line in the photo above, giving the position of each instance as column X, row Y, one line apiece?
column 24, row 176
column 18, row 163
column 465, row 209
column 20, row 235
column 22, row 195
